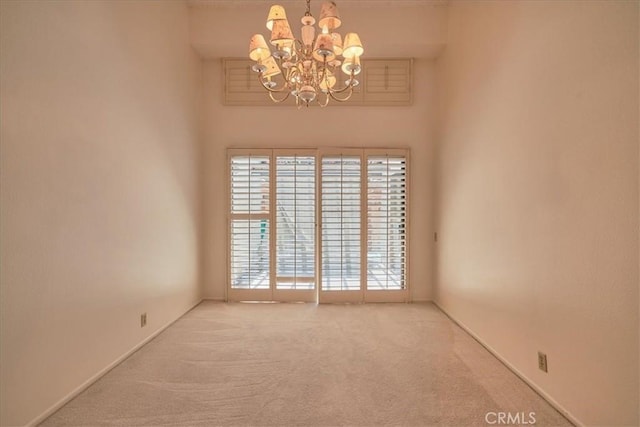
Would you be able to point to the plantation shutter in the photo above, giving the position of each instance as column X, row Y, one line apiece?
column 386, row 223
column 341, row 247
column 249, row 228
column 383, row 82
column 335, row 217
column 295, row 221
column 388, row 82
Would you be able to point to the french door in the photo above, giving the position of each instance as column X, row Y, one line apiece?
column 318, row 225
column 363, row 225
column 341, row 210
column 295, row 226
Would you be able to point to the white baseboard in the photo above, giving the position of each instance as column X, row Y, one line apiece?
column 214, row 299
column 40, row 418
column 568, row 415
column 420, row 300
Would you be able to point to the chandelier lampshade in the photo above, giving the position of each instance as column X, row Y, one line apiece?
column 276, row 12
column 308, row 65
column 281, row 33
column 324, row 48
column 258, row 49
column 352, row 46
column 272, row 68
column 329, row 16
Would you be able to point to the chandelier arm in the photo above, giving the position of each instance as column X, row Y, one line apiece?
column 324, row 76
column 347, row 87
column 276, row 100
column 342, row 90
column 346, row 98
column 281, row 89
column 292, row 74
column 326, row 100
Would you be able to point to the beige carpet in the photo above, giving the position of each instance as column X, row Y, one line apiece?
column 307, row 365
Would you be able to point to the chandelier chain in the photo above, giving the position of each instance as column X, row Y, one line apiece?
column 308, row 12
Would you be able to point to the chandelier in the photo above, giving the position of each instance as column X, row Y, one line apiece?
column 309, row 65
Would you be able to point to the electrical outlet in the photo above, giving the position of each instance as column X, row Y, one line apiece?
column 143, row 320
column 542, row 361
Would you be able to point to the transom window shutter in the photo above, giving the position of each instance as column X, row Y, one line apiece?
column 250, row 222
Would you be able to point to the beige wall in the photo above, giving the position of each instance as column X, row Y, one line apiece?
column 99, row 196
column 273, row 127
column 538, row 194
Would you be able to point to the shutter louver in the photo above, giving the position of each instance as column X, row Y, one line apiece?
column 341, row 223
column 295, row 215
column 250, row 222
column 383, row 82
column 338, row 218
column 386, row 223
column 387, row 82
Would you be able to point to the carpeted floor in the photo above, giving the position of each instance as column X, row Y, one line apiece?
column 307, row 365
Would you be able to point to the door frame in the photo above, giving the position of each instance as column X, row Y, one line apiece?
column 317, row 294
